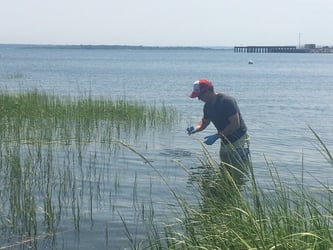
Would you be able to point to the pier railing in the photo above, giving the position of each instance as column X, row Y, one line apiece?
column 266, row 49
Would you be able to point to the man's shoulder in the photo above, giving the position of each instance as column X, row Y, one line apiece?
column 225, row 97
column 221, row 97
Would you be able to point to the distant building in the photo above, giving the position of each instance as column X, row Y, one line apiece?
column 310, row 46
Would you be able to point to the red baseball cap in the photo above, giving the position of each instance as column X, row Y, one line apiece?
column 199, row 86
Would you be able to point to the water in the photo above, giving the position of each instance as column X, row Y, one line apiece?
column 280, row 95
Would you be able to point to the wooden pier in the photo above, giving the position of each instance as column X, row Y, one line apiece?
column 267, row 49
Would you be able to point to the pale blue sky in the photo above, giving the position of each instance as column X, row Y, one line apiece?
column 167, row 23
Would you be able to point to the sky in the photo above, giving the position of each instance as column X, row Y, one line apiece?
column 167, row 22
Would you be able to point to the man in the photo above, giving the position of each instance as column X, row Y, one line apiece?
column 222, row 110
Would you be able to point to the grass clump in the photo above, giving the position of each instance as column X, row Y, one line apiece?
column 35, row 116
column 55, row 159
column 241, row 214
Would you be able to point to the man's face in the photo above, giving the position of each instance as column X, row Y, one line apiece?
column 204, row 96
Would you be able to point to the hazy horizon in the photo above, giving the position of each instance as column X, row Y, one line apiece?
column 190, row 23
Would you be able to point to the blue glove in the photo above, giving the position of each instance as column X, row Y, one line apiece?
column 190, row 130
column 209, row 140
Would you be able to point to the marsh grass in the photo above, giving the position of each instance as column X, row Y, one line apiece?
column 52, row 162
column 242, row 214
column 32, row 116
column 51, row 166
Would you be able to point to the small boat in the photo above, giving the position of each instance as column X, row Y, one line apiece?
column 250, row 62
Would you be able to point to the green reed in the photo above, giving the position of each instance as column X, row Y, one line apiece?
column 235, row 212
column 46, row 167
column 35, row 115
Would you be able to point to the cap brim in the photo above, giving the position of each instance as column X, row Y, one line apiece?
column 194, row 94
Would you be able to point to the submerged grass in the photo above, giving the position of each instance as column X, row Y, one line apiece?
column 51, row 158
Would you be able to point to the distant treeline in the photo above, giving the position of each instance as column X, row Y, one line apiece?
column 49, row 46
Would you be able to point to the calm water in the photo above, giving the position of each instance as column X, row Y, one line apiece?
column 279, row 96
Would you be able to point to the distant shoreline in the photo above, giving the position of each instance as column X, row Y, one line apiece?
column 238, row 49
column 83, row 46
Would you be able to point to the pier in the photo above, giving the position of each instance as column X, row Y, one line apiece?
column 267, row 49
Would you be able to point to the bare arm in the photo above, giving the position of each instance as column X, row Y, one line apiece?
column 203, row 123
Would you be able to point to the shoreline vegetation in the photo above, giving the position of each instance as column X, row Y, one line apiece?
column 242, row 214
column 46, row 171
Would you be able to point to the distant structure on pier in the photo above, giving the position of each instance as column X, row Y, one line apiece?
column 308, row 48
column 266, row 49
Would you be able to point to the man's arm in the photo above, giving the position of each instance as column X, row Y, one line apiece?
column 203, row 123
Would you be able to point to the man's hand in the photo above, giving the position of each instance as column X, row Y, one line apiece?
column 211, row 139
column 190, row 130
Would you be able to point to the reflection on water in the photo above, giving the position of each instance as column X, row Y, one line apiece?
column 176, row 153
